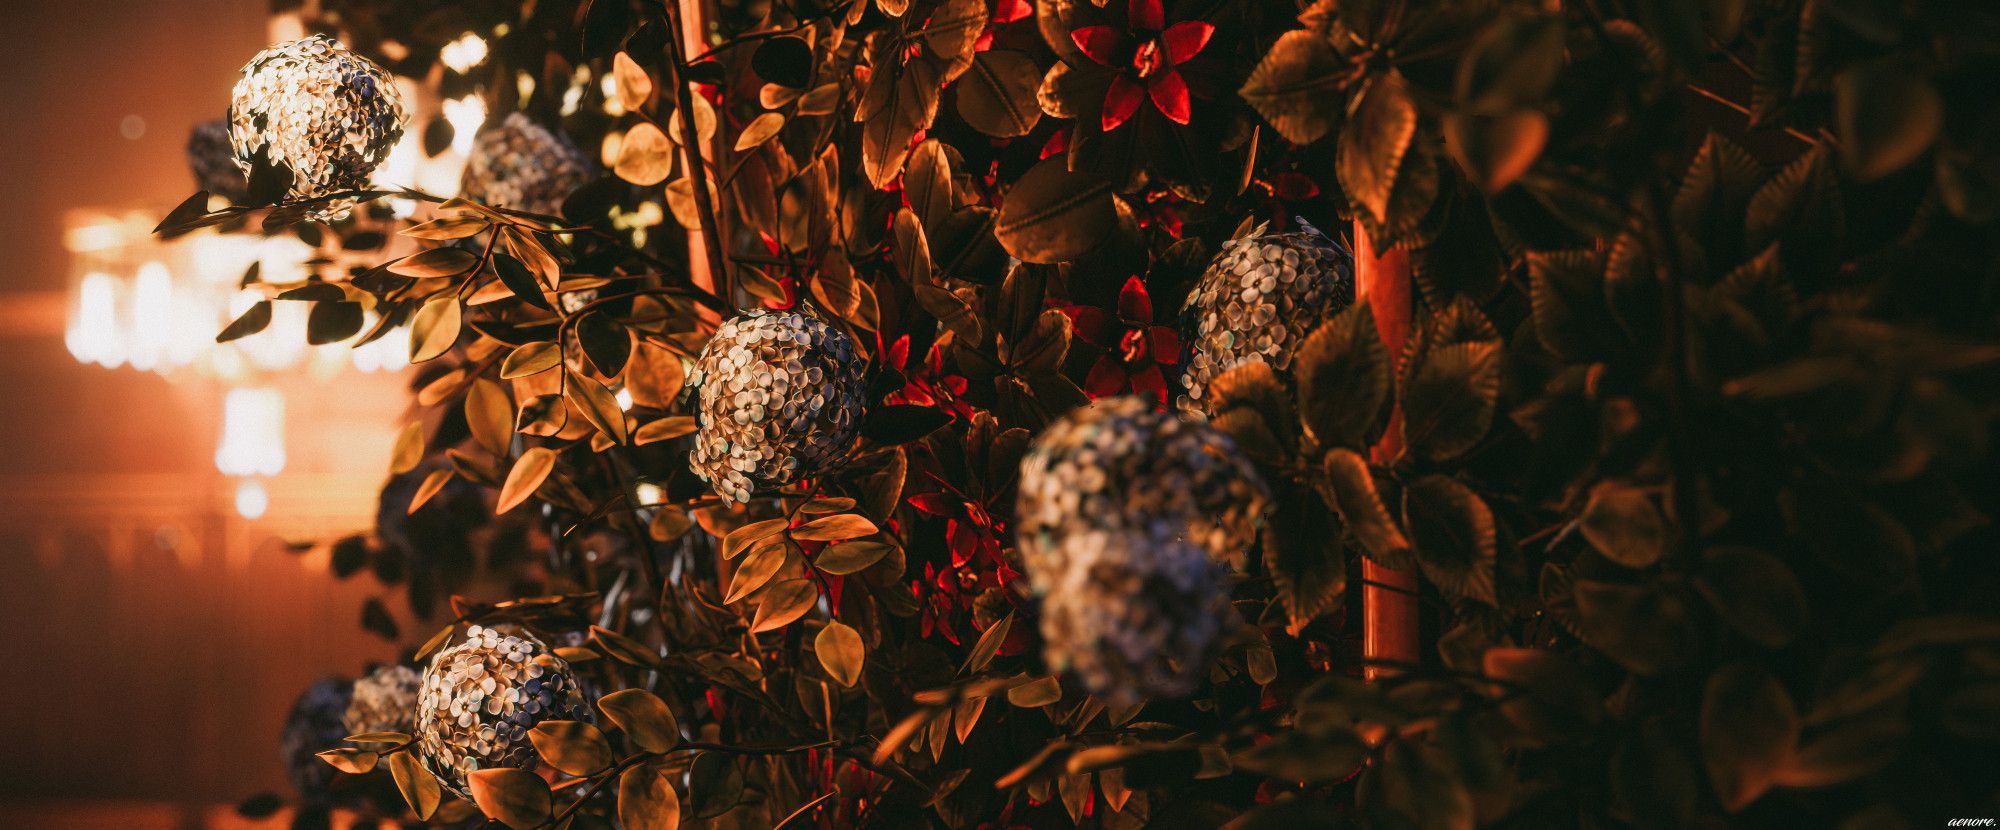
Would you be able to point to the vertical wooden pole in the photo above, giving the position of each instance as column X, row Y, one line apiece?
column 1388, row 597
column 704, row 243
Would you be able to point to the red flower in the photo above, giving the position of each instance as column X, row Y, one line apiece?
column 1148, row 51
column 1134, row 348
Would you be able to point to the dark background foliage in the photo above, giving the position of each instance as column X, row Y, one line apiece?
column 1697, row 403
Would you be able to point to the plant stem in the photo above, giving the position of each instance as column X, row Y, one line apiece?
column 711, row 233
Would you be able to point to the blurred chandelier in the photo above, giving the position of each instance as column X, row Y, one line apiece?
column 156, row 306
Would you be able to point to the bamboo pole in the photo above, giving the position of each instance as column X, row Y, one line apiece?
column 1388, row 597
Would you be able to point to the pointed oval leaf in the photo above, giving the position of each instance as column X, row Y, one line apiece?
column 647, row 721
column 572, row 746
column 840, row 652
column 851, row 556
column 514, row 797
column 835, row 528
column 783, row 603
column 434, row 328
column 647, row 800
column 417, row 785
column 530, row 470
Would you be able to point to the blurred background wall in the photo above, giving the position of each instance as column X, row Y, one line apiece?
column 153, row 638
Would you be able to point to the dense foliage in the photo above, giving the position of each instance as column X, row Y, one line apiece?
column 1697, row 405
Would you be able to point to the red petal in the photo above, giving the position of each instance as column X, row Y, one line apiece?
column 1144, row 15
column 1149, row 381
column 1008, row 11
column 1057, row 144
column 1088, row 321
column 1186, row 39
column 1099, row 42
column 1134, row 304
column 1170, row 94
column 1121, row 100
column 1166, row 344
column 899, row 353
column 1107, row 378
column 936, row 504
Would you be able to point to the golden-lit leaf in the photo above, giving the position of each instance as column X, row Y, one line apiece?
column 647, row 721
column 418, row 786
column 434, row 328
column 740, row 539
column 535, row 256
column 624, row 649
column 988, row 645
column 356, row 761
column 379, row 738
column 774, row 96
column 899, row 736
column 764, row 562
column 530, row 470
column 820, row 100
column 827, row 504
column 759, row 130
column 835, row 528
column 647, row 801
column 851, row 556
column 598, row 406
column 409, row 449
column 514, row 797
column 966, row 716
column 572, row 746
column 577, row 654
column 645, row 157
column 435, row 262
column 841, row 652
column 634, row 85
column 436, row 642
column 784, row 602
column 489, row 413
column 672, row 426
column 680, row 200
column 457, row 226
column 1035, row 693
column 531, row 358
column 444, row 386
column 704, row 121
column 669, row 524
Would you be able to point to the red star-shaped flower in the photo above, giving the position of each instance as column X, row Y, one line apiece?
column 1147, row 51
column 1134, row 348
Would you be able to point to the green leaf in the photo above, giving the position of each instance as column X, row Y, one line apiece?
column 1748, row 730
column 434, row 328
column 1297, row 86
column 1374, row 140
column 1456, row 539
column 527, row 475
column 572, row 746
column 840, row 652
column 1622, row 523
column 1344, row 380
column 514, row 797
column 647, row 800
column 1351, row 487
column 647, row 721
